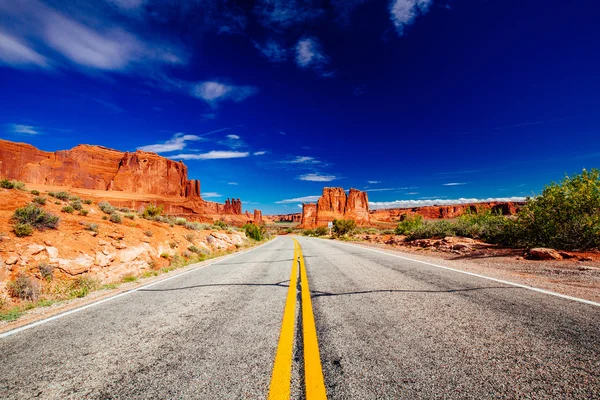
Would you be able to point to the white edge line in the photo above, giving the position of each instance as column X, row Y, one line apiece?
column 97, row 303
column 533, row 288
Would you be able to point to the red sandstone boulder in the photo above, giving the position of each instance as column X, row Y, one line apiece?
column 542, row 253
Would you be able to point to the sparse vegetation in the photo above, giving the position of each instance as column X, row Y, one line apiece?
column 35, row 217
column 253, row 232
column 35, row 192
column 180, row 221
column 152, row 211
column 190, row 237
column 67, row 209
column 129, row 215
column 409, row 224
column 83, row 212
column 165, row 255
column 76, row 204
column 7, row 184
column 92, row 227
column 195, row 249
column 39, row 200
column 22, row 230
column 220, row 225
column 24, row 288
column 343, row 227
column 82, row 286
column 129, row 278
column 60, row 195
column 148, row 233
column 87, row 201
column 115, row 217
column 46, row 271
column 106, row 207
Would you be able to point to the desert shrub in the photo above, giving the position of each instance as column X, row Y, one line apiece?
column 148, row 233
column 74, row 198
column 6, row 184
column 76, row 204
column 36, row 217
column 82, row 286
column 22, row 230
column 35, row 192
column 124, row 209
column 195, row 249
column 432, row 229
column 343, row 227
column 165, row 255
column 24, row 288
column 92, row 227
column 190, row 237
column 253, row 232
column 180, row 221
column 196, row 226
column 39, row 200
column 409, row 224
column 308, row 232
column 152, row 210
column 116, row 218
column 106, row 207
column 321, row 231
column 61, row 195
column 129, row 278
column 489, row 226
column 46, row 271
column 67, row 209
column 220, row 225
column 173, row 244
column 566, row 215
column 83, row 212
column 129, row 215
column 87, row 201
column 105, row 217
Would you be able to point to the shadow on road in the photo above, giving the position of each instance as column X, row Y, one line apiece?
column 277, row 284
column 317, row 293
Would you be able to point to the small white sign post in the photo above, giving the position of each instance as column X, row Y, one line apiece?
column 330, row 225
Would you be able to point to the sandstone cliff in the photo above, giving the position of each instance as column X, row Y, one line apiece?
column 296, row 217
column 335, row 204
column 442, row 212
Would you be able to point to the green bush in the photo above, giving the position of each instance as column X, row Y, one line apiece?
column 321, row 231
column 432, row 229
column 87, row 201
column 116, row 218
column 253, row 232
column 409, row 224
column 565, row 216
column 343, row 227
column 39, row 200
column 180, row 221
column 152, row 210
column 46, row 271
column 76, row 204
column 83, row 212
column 195, row 249
column 61, row 195
column 220, row 225
column 82, row 286
column 36, row 217
column 106, row 207
column 35, row 192
column 24, row 288
column 130, row 215
column 92, row 227
column 67, row 209
column 22, row 230
column 6, row 184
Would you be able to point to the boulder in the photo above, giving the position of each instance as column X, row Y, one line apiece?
column 542, row 253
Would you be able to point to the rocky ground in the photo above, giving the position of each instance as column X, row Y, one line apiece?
column 571, row 273
column 112, row 253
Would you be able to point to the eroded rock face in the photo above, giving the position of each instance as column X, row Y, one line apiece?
column 335, row 204
column 447, row 211
column 296, row 217
column 258, row 218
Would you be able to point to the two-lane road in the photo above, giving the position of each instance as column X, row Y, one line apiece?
column 387, row 328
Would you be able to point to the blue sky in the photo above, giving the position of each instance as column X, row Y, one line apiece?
column 416, row 101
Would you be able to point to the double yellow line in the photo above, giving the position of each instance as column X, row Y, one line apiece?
column 282, row 369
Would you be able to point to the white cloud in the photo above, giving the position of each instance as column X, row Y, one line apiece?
column 454, row 184
column 260, row 153
column 232, row 183
column 373, row 182
column 436, row 202
column 233, row 137
column 273, row 51
column 316, row 177
column 177, row 142
column 302, row 160
column 381, row 189
column 24, row 129
column 309, row 54
column 211, row 155
column 213, row 92
column 208, row 195
column 284, row 14
column 404, row 12
column 305, row 199
column 16, row 53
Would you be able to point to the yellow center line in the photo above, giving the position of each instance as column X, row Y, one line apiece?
column 313, row 371
column 282, row 369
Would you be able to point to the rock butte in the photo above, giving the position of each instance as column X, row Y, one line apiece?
column 443, row 212
column 125, row 179
column 335, row 204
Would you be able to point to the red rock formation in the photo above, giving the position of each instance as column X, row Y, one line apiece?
column 296, row 217
column 258, row 218
column 446, row 211
column 334, row 204
column 232, row 206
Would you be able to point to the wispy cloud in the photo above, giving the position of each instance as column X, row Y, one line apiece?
column 521, row 124
column 454, row 184
column 280, row 15
column 302, row 160
column 305, row 199
column 317, row 177
column 233, row 137
column 436, row 202
column 373, row 182
column 23, row 129
column 212, row 155
column 176, row 143
column 310, row 55
column 260, row 153
column 17, row 53
column 404, row 12
column 232, row 183
column 381, row 189
column 273, row 51
column 213, row 92
column 209, row 195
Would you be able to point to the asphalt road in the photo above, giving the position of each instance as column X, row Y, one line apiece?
column 387, row 328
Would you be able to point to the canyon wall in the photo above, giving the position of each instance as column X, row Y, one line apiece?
column 443, row 212
column 335, row 204
column 126, row 179
column 296, row 217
